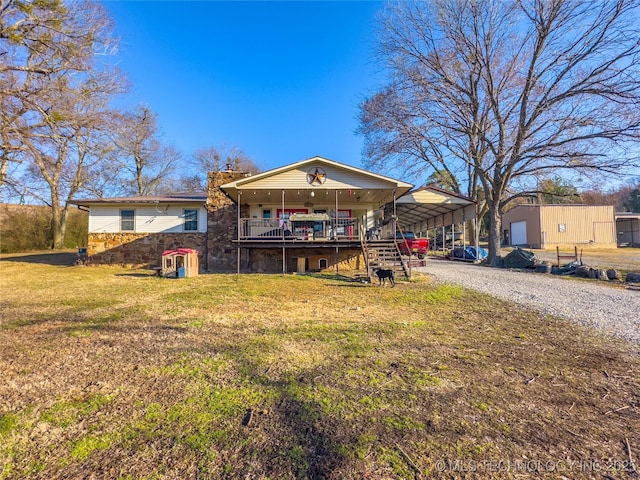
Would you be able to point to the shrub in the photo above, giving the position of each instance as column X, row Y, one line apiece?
column 28, row 227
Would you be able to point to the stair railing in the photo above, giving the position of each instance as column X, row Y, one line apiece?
column 406, row 267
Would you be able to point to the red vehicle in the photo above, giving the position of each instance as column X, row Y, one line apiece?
column 412, row 245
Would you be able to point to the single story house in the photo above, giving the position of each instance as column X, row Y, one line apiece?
column 564, row 226
column 315, row 214
column 136, row 230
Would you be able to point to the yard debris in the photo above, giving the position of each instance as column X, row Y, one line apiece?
column 248, row 418
column 613, row 274
column 568, row 269
column 469, row 253
column 616, row 410
column 532, row 379
column 633, row 277
column 520, row 258
column 544, row 267
column 409, row 460
column 632, row 465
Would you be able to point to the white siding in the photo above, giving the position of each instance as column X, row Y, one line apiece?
column 148, row 218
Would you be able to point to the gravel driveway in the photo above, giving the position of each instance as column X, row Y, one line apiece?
column 613, row 310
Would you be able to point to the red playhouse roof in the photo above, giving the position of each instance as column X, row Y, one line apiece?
column 179, row 251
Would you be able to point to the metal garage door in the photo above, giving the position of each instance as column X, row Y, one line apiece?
column 519, row 233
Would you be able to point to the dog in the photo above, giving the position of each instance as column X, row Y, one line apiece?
column 383, row 274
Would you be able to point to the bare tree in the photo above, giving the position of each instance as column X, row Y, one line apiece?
column 68, row 148
column 55, row 93
column 149, row 163
column 38, row 41
column 502, row 92
column 213, row 159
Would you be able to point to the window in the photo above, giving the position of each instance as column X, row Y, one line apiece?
column 127, row 220
column 266, row 213
column 190, row 220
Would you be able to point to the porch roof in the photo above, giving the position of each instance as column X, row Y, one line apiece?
column 432, row 207
column 304, row 180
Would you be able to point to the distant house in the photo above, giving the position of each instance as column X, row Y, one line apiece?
column 550, row 226
column 315, row 214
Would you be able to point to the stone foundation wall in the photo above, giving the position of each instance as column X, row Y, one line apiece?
column 142, row 249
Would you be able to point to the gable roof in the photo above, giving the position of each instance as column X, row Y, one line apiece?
column 432, row 207
column 334, row 176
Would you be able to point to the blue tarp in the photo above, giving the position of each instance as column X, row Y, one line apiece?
column 469, row 253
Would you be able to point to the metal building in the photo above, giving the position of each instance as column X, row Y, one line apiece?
column 549, row 226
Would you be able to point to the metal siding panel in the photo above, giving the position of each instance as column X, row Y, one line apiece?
column 579, row 221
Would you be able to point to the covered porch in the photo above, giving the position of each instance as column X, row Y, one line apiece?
column 318, row 209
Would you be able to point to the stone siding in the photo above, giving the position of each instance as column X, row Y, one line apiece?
column 222, row 220
column 142, row 249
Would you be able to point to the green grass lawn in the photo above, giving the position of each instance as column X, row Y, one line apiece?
column 119, row 374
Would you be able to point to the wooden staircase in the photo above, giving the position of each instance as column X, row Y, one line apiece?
column 384, row 254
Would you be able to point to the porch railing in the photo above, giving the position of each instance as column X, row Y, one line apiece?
column 258, row 229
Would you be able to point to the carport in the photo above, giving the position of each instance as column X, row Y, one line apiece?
column 628, row 229
column 433, row 208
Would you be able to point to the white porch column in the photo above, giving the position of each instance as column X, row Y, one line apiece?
column 284, row 252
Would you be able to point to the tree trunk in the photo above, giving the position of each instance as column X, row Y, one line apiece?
column 58, row 226
column 495, row 227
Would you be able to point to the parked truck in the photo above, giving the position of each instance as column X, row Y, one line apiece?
column 412, row 245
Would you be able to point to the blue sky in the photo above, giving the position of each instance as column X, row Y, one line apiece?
column 280, row 80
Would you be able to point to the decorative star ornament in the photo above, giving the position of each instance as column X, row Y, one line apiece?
column 317, row 176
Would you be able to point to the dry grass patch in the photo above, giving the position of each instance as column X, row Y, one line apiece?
column 123, row 375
